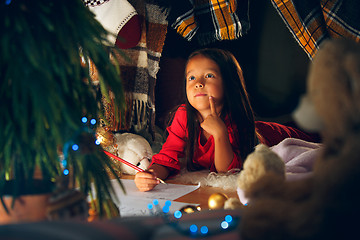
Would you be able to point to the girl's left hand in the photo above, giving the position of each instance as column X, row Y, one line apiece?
column 213, row 124
column 146, row 181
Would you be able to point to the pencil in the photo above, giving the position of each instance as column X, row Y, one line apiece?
column 129, row 164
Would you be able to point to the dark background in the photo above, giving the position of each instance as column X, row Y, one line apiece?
column 274, row 66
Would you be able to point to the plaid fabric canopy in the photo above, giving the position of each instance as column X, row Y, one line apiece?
column 210, row 20
column 313, row 21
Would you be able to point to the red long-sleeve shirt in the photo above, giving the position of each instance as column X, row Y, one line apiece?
column 174, row 147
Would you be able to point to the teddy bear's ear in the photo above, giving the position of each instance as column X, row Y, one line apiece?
column 306, row 116
column 333, row 87
column 352, row 68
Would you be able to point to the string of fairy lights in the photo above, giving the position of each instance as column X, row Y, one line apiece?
column 193, row 230
column 228, row 223
column 89, row 125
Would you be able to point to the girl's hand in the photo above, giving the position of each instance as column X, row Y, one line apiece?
column 213, row 124
column 146, row 181
column 223, row 153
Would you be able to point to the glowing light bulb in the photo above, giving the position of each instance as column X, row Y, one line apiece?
column 66, row 171
column 168, row 203
column 224, row 225
column 155, row 202
column 177, row 214
column 93, row 121
column 193, row 228
column 75, row 147
column 64, row 162
column 165, row 209
column 84, row 119
column 204, row 230
column 150, row 206
column 228, row 218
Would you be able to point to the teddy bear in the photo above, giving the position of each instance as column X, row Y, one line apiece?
column 130, row 147
column 291, row 159
column 134, row 149
column 261, row 161
column 325, row 204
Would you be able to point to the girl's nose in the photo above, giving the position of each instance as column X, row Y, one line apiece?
column 199, row 85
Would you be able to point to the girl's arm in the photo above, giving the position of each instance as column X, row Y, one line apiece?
column 166, row 161
column 213, row 125
column 223, row 153
column 146, row 181
column 160, row 171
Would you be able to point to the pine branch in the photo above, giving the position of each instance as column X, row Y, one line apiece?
column 45, row 89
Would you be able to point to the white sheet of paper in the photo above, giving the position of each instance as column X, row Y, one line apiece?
column 130, row 206
column 135, row 203
column 162, row 191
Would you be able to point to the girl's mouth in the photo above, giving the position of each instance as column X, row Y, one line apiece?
column 200, row 95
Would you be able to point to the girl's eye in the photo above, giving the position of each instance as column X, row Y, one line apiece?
column 209, row 75
column 191, row 78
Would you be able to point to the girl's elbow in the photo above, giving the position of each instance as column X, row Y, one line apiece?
column 221, row 169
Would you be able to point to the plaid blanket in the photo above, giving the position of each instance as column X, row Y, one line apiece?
column 313, row 21
column 210, row 20
column 138, row 69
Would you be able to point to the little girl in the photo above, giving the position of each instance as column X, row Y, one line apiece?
column 215, row 129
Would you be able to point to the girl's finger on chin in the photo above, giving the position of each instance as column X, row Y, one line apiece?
column 212, row 105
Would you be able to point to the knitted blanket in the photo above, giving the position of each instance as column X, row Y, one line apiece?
column 210, row 20
column 313, row 21
column 138, row 69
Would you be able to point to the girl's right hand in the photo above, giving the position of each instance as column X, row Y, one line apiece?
column 212, row 123
column 146, row 181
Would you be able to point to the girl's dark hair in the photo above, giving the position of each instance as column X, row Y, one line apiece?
column 236, row 105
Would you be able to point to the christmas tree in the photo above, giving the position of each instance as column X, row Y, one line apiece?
column 46, row 92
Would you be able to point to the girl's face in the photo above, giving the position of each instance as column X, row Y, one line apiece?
column 203, row 79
